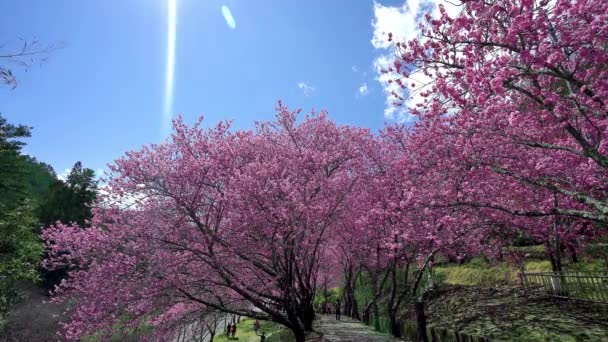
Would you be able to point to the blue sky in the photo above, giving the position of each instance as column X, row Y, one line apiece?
column 104, row 92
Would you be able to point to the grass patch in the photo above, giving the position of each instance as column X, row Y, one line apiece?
column 478, row 272
column 244, row 332
column 523, row 333
column 596, row 265
column 538, row 266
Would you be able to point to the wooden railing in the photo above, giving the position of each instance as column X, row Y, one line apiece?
column 572, row 285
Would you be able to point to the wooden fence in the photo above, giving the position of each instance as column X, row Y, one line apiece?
column 571, row 285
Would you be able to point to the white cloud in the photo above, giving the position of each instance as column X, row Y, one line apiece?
column 307, row 88
column 363, row 89
column 402, row 22
column 228, row 17
column 391, row 112
column 64, row 175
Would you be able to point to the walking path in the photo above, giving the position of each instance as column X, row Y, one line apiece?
column 347, row 329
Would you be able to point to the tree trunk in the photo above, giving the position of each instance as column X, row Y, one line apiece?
column 395, row 326
column 554, row 257
column 355, row 309
column 573, row 254
column 373, row 276
column 349, row 292
column 392, row 307
column 420, row 321
column 299, row 335
column 554, row 247
column 307, row 316
column 366, row 315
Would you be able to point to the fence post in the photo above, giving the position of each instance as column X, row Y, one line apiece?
column 576, row 285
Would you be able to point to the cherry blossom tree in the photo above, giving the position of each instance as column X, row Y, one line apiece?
column 523, row 83
column 416, row 204
column 511, row 131
column 212, row 220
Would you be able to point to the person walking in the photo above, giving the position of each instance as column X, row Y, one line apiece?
column 256, row 326
column 228, row 329
column 263, row 337
column 233, row 329
column 338, row 310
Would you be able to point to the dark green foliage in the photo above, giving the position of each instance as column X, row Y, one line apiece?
column 70, row 201
column 39, row 176
column 21, row 177
column 13, row 187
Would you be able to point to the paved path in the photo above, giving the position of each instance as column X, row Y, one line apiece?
column 347, row 329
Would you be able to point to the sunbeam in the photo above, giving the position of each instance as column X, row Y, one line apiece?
column 170, row 67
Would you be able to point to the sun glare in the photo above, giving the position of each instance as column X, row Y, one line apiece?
column 170, row 67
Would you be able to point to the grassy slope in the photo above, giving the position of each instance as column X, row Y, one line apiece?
column 510, row 314
column 484, row 299
column 480, row 273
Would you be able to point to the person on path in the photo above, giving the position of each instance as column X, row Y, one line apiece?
column 228, row 328
column 263, row 337
column 256, row 326
column 338, row 310
column 233, row 329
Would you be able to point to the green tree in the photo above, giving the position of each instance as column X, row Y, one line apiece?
column 13, row 187
column 20, row 247
column 72, row 200
column 39, row 177
column 20, row 252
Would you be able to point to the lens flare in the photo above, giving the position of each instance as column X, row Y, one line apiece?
column 170, row 67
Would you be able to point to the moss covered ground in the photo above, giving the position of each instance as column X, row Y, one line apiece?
column 512, row 314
